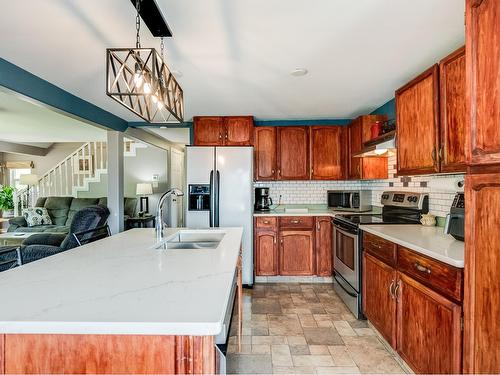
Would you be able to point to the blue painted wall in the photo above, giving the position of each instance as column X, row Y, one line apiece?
column 388, row 109
column 28, row 84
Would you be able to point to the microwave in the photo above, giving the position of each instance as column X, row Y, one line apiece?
column 350, row 200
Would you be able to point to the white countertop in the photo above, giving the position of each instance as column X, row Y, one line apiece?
column 312, row 210
column 122, row 285
column 430, row 241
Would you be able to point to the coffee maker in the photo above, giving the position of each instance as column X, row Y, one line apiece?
column 263, row 201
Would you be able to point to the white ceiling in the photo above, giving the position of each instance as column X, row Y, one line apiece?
column 27, row 123
column 236, row 56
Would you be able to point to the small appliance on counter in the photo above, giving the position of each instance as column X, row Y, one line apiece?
column 454, row 223
column 344, row 200
column 263, row 201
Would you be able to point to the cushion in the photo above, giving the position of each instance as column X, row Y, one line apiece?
column 36, row 216
column 58, row 208
column 40, row 202
column 77, row 204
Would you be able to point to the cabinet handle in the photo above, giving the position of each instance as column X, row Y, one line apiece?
column 391, row 292
column 312, row 170
column 275, row 240
column 272, row 171
column 226, row 135
column 281, row 241
column 318, row 226
column 294, row 221
column 441, row 152
column 220, row 135
column 433, row 155
column 421, row 268
column 279, row 172
column 266, row 221
column 396, row 290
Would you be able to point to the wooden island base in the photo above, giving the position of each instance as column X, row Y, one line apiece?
column 106, row 354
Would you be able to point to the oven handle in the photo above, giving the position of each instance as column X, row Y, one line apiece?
column 346, row 231
column 345, row 290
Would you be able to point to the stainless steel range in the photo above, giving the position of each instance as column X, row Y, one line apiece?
column 398, row 208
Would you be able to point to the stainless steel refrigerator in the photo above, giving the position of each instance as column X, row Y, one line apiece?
column 219, row 183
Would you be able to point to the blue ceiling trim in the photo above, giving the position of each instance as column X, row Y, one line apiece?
column 28, row 84
column 309, row 122
column 388, row 109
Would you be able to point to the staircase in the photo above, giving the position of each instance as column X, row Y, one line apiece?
column 72, row 175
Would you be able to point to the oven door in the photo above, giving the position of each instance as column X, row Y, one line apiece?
column 346, row 254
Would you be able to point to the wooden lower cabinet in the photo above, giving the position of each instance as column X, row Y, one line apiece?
column 379, row 305
column 296, row 253
column 429, row 336
column 266, row 254
column 323, row 241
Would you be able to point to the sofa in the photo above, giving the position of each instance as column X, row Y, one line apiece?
column 62, row 210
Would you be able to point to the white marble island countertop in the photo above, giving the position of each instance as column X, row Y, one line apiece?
column 430, row 241
column 122, row 285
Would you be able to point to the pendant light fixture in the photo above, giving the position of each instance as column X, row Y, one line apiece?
column 139, row 79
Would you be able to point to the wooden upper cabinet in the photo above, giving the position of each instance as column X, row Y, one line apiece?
column 323, row 240
column 482, row 267
column 296, row 256
column 327, row 152
column 208, row 131
column 417, row 119
column 452, row 108
column 293, row 153
column 223, row 131
column 238, row 131
column 265, row 153
column 429, row 337
column 379, row 306
column 355, row 145
column 483, row 82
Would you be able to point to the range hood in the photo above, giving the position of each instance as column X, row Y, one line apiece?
column 381, row 146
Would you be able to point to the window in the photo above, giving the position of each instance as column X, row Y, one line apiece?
column 15, row 174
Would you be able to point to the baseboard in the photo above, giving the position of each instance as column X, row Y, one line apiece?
column 293, row 279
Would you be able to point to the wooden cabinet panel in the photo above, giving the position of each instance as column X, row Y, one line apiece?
column 238, row 131
column 482, row 267
column 293, row 153
column 296, row 256
column 374, row 168
column 266, row 253
column 301, row 222
column 266, row 222
column 378, row 304
column 452, row 109
column 417, row 118
column 380, row 248
column 323, row 249
column 483, row 81
column 442, row 277
column 265, row 153
column 208, row 131
column 327, row 160
column 355, row 145
column 429, row 334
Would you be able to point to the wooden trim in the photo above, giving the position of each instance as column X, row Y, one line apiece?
column 2, row 354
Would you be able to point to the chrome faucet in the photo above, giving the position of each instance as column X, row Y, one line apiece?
column 159, row 211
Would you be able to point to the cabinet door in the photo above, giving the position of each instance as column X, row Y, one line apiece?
column 208, row 131
column 379, row 305
column 374, row 168
column 482, row 267
column 266, row 253
column 417, row 119
column 483, row 81
column 355, row 145
column 324, row 246
column 327, row 153
column 429, row 334
column 265, row 153
column 296, row 256
column 452, row 109
column 293, row 153
column 238, row 131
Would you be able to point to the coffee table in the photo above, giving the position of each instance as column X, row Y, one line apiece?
column 14, row 238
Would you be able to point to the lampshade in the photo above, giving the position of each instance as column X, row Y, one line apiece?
column 28, row 179
column 144, row 188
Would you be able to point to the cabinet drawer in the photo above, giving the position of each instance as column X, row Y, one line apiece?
column 305, row 222
column 437, row 275
column 380, row 248
column 267, row 222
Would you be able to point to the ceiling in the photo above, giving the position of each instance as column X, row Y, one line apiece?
column 23, row 122
column 236, row 56
column 175, row 135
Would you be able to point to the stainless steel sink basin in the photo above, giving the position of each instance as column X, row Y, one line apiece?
column 192, row 240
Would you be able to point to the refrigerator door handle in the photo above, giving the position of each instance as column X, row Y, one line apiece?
column 216, row 199
column 212, row 195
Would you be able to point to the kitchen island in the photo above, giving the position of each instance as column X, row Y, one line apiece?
column 120, row 305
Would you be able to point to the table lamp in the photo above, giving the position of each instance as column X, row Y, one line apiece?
column 143, row 189
column 29, row 180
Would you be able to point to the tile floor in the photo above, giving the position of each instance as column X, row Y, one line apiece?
column 304, row 329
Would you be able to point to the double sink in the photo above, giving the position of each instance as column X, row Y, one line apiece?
column 191, row 240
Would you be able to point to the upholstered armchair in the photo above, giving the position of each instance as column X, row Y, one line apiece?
column 42, row 245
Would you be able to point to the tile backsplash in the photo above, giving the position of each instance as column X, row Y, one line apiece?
column 441, row 189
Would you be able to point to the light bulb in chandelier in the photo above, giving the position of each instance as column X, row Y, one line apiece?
column 138, row 78
column 146, row 88
column 154, row 98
